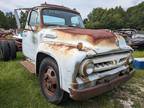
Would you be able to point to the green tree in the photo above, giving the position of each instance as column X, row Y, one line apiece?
column 23, row 18
column 116, row 18
column 135, row 16
column 3, row 20
column 11, row 23
column 103, row 18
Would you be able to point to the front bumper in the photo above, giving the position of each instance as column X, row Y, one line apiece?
column 100, row 88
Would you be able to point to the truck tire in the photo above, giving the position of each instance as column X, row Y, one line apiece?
column 49, row 81
column 5, row 50
column 12, row 48
column 1, row 53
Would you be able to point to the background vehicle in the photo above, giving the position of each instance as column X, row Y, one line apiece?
column 70, row 59
column 133, row 37
column 137, row 40
column 9, row 44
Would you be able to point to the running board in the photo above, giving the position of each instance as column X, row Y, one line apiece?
column 29, row 66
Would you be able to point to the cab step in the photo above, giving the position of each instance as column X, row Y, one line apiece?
column 29, row 66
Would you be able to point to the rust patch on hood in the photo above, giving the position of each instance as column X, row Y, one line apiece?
column 95, row 34
column 101, row 37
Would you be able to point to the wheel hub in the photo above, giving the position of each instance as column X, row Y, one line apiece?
column 50, row 81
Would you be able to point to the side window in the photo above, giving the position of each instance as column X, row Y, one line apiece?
column 34, row 19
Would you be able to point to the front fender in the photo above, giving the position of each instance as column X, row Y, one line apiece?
column 122, row 42
column 68, row 58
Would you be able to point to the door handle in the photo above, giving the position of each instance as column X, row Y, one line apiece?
column 50, row 36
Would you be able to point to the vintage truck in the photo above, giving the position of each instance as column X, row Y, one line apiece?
column 69, row 59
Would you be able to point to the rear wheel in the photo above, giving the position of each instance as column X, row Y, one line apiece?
column 1, row 53
column 12, row 47
column 49, row 81
column 4, row 50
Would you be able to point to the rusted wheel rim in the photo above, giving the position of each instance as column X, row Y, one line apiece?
column 1, row 54
column 50, row 81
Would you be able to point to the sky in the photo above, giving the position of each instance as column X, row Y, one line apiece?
column 83, row 6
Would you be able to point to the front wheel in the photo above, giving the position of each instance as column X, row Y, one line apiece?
column 49, row 81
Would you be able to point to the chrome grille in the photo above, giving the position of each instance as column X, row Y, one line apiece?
column 109, row 62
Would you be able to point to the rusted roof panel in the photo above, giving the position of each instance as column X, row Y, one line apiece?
column 45, row 5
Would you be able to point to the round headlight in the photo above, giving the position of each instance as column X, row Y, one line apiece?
column 89, row 68
column 86, row 68
column 131, row 58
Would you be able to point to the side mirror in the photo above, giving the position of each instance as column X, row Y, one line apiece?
column 18, row 12
column 17, row 19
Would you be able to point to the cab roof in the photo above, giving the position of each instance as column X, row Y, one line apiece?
column 52, row 6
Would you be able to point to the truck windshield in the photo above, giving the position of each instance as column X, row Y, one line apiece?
column 61, row 18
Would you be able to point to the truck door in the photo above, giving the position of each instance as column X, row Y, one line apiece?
column 30, row 38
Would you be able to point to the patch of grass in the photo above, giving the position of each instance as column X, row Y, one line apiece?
column 20, row 89
column 139, row 53
column 139, row 74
